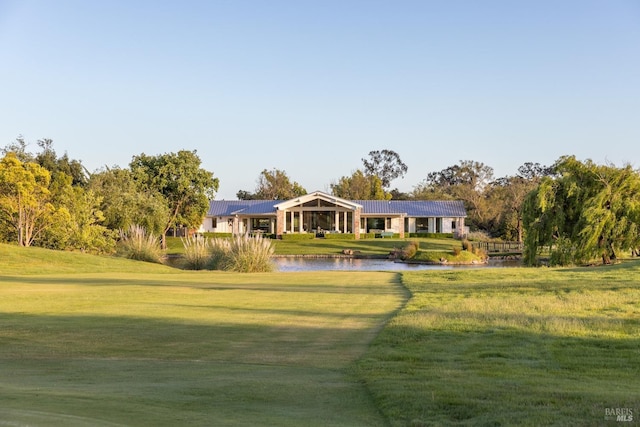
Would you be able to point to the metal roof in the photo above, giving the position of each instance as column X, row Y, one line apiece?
column 242, row 207
column 412, row 208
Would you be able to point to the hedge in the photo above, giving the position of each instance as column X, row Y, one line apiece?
column 340, row 236
column 432, row 235
column 299, row 236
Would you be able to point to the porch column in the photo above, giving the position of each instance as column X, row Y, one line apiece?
column 402, row 226
column 292, row 222
column 345, row 228
column 281, row 222
column 336, row 220
column 300, row 225
column 235, row 229
column 356, row 223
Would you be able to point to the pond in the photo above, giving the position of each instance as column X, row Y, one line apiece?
column 286, row 264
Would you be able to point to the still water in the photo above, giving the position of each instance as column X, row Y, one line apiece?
column 351, row 264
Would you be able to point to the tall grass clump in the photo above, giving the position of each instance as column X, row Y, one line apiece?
column 136, row 244
column 243, row 253
column 410, row 250
column 197, row 252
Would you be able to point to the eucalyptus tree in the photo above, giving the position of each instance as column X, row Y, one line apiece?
column 585, row 211
column 466, row 181
column 386, row 165
column 508, row 194
column 273, row 184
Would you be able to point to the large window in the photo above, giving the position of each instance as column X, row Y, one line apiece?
column 261, row 224
column 375, row 224
column 422, row 225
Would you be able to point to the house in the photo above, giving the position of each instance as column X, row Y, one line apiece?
column 322, row 213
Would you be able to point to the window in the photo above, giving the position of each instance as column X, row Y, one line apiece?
column 422, row 225
column 388, row 227
column 375, row 224
column 260, row 224
column 214, row 223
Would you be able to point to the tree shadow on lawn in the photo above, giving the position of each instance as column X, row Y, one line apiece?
column 142, row 371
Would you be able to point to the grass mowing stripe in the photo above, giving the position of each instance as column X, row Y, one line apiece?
column 194, row 348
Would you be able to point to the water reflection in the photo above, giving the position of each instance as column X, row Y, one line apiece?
column 350, row 264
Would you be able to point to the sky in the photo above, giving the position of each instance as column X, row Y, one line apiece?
column 311, row 87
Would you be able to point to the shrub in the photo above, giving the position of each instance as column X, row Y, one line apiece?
column 466, row 245
column 479, row 235
column 410, row 250
column 432, row 235
column 197, row 252
column 562, row 253
column 298, row 236
column 340, row 236
column 242, row 254
column 136, row 244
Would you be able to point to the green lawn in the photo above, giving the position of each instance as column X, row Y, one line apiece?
column 98, row 341
column 334, row 247
column 167, row 347
column 511, row 347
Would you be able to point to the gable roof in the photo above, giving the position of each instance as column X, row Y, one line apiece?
column 338, row 201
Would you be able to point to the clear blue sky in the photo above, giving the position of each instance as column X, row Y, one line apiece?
column 310, row 87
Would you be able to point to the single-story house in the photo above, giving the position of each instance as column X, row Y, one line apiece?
column 322, row 213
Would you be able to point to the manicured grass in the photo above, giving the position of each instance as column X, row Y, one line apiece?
column 365, row 246
column 167, row 347
column 321, row 246
column 511, row 347
column 100, row 341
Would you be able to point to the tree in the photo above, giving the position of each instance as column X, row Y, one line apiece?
column 359, row 186
column 124, row 203
column 466, row 181
column 78, row 219
column 510, row 192
column 178, row 178
column 48, row 159
column 585, row 211
column 19, row 149
column 25, row 206
column 386, row 165
column 273, row 184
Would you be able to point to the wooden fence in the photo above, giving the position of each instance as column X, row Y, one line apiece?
column 501, row 247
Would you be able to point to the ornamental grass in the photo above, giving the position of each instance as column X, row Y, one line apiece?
column 136, row 244
column 243, row 254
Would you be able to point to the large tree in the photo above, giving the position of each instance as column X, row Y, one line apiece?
column 360, row 186
column 179, row 179
column 48, row 159
column 273, row 184
column 25, row 199
column 585, row 211
column 386, row 165
column 124, row 203
column 466, row 181
column 79, row 222
column 509, row 193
